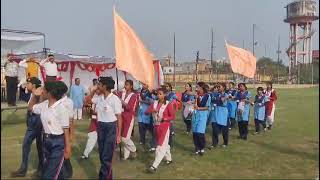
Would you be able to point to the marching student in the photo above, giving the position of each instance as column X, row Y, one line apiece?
column 173, row 99
column 214, row 94
column 270, row 105
column 129, row 101
column 144, row 120
column 188, row 99
column 108, row 108
column 222, row 122
column 33, row 131
column 243, row 97
column 55, row 122
column 232, row 105
column 92, row 134
column 200, row 117
column 162, row 112
column 77, row 94
column 260, row 110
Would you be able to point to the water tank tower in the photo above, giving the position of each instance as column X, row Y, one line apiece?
column 300, row 15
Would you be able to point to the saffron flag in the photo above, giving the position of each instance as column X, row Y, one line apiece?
column 242, row 61
column 131, row 55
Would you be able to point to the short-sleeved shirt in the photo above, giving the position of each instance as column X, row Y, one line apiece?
column 51, row 68
column 54, row 119
column 108, row 107
column 11, row 69
column 67, row 102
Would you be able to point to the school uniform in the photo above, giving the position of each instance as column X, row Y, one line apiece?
column 128, row 122
column 54, row 119
column 213, row 117
column 162, row 118
column 77, row 93
column 222, row 124
column 270, row 107
column 92, row 134
column 232, row 108
column 187, row 109
column 33, row 131
column 199, row 122
column 172, row 98
column 145, row 120
column 107, row 108
column 260, row 112
column 243, row 112
column 67, row 166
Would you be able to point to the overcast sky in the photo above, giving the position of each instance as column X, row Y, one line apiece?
column 86, row 27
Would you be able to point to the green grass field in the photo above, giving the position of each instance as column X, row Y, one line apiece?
column 290, row 150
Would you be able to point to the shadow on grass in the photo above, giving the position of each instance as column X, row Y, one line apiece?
column 13, row 119
column 286, row 150
column 87, row 165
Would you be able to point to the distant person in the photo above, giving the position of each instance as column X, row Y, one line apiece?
column 31, row 66
column 33, row 131
column 243, row 97
column 188, row 100
column 259, row 104
column 77, row 94
column 270, row 105
column 11, row 76
column 50, row 67
column 94, row 85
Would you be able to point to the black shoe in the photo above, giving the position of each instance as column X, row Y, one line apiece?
column 269, row 128
column 245, row 138
column 151, row 169
column 169, row 162
column 19, row 173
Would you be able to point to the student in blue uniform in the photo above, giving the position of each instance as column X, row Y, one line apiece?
column 55, row 122
column 260, row 110
column 187, row 106
column 109, row 109
column 172, row 98
column 33, row 131
column 222, row 123
column 213, row 114
column 144, row 120
column 243, row 97
column 232, row 105
column 200, row 117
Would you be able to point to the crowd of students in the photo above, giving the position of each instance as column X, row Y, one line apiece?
column 113, row 115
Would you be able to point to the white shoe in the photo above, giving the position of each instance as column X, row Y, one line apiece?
column 152, row 149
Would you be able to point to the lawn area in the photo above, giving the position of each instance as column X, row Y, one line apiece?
column 290, row 150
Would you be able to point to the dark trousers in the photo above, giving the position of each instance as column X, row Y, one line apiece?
column 243, row 129
column 171, row 135
column 11, row 83
column 188, row 124
column 34, row 131
column 232, row 122
column 54, row 154
column 199, row 141
column 51, row 78
column 143, row 128
column 67, row 169
column 257, row 124
column 107, row 134
column 216, row 130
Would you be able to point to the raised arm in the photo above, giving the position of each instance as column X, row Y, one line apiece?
column 44, row 61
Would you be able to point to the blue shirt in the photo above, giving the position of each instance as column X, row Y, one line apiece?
column 77, row 95
column 259, row 107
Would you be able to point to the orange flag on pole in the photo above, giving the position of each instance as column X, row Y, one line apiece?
column 242, row 61
column 131, row 55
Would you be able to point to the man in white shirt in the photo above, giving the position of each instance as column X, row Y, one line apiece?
column 11, row 75
column 109, row 109
column 50, row 67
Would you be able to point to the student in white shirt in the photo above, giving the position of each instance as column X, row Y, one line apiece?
column 55, row 121
column 108, row 108
column 50, row 67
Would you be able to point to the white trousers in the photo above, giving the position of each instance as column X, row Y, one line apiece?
column 128, row 145
column 77, row 114
column 163, row 151
column 92, row 140
column 270, row 119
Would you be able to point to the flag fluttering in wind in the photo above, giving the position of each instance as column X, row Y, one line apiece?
column 131, row 55
column 242, row 61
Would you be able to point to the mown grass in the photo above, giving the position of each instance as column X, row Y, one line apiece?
column 290, row 150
